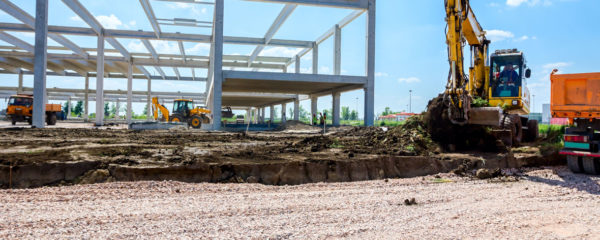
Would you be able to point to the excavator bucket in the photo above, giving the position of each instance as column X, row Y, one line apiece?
column 490, row 116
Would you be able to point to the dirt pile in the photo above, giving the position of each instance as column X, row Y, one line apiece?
column 409, row 139
column 454, row 137
column 296, row 126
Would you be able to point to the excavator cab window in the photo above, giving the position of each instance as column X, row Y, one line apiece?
column 506, row 76
column 183, row 107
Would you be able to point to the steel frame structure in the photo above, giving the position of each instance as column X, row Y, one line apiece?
column 23, row 58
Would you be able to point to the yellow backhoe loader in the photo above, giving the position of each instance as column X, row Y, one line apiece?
column 183, row 111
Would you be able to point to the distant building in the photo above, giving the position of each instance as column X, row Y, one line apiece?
column 535, row 116
column 398, row 117
column 546, row 114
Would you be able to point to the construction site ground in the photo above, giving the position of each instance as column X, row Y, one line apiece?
column 534, row 203
column 295, row 154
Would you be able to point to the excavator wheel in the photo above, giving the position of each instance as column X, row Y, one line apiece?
column 590, row 165
column 196, row 121
column 175, row 118
column 518, row 127
column 533, row 132
column 574, row 164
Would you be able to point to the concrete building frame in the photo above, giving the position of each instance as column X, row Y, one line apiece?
column 254, row 89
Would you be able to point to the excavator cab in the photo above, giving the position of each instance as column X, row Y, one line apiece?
column 183, row 107
column 507, row 85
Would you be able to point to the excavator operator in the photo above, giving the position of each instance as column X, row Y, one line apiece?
column 509, row 79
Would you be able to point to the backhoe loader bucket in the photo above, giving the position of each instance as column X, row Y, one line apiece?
column 490, row 116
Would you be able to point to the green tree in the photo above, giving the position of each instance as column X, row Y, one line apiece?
column 387, row 111
column 145, row 112
column 65, row 107
column 78, row 109
column 354, row 115
column 345, row 113
column 106, row 110
column 113, row 109
column 304, row 115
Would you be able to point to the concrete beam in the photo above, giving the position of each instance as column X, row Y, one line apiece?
column 294, row 77
column 357, row 4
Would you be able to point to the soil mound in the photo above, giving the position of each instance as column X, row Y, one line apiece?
column 296, row 126
column 411, row 138
column 454, row 137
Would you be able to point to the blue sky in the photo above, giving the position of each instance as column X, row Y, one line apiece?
column 410, row 41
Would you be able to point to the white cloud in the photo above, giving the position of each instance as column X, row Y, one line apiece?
column 199, row 48
column 109, row 22
column 197, row 11
column 381, row 74
column 165, row 47
column 516, row 3
column 498, row 35
column 409, row 80
column 557, row 65
column 136, row 46
column 279, row 52
column 523, row 38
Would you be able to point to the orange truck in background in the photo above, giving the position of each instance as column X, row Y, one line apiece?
column 20, row 109
column 577, row 97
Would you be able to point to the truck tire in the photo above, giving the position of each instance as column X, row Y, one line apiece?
column 13, row 121
column 590, row 165
column 533, row 131
column 196, row 121
column 51, row 119
column 574, row 164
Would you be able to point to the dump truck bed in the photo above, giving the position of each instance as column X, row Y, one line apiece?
column 575, row 95
column 53, row 108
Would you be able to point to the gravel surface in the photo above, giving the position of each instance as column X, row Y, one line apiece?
column 543, row 203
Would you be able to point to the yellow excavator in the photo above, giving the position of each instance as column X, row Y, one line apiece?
column 183, row 111
column 495, row 95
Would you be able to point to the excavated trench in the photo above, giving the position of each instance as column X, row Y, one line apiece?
column 34, row 158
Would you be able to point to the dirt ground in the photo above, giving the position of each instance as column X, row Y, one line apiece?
column 293, row 155
column 547, row 203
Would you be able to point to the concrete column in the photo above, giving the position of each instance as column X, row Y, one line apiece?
column 249, row 114
column 272, row 117
column 100, row 82
column 283, row 116
column 86, row 116
column 313, row 107
column 336, row 109
column 315, row 60
column 337, row 50
column 148, row 101
column 284, row 69
column 118, row 107
column 129, row 91
column 262, row 115
column 370, row 68
column 20, row 87
column 68, row 108
column 40, row 62
column 297, row 65
column 217, row 59
column 296, row 109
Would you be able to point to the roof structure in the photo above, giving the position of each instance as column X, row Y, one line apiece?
column 268, row 83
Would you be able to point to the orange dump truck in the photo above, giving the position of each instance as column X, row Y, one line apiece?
column 577, row 97
column 20, row 109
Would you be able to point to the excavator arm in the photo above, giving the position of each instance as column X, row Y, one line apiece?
column 462, row 26
column 156, row 107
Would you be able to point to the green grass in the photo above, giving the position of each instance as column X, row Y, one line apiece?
column 553, row 133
